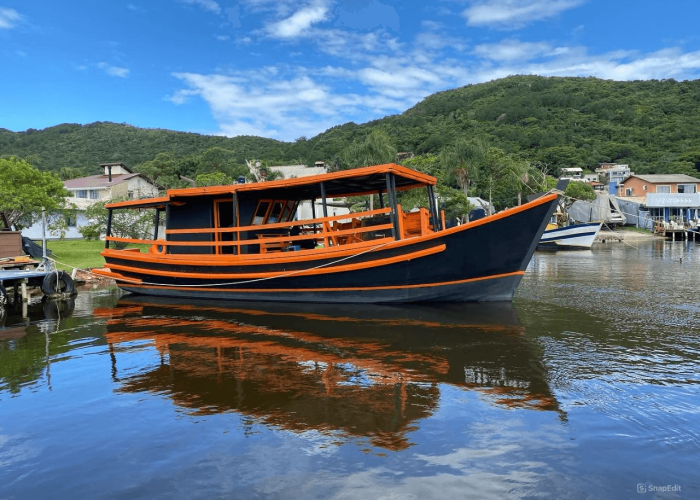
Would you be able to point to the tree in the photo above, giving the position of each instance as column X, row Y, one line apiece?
column 213, row 179
column 579, row 191
column 26, row 190
column 375, row 149
column 463, row 160
column 125, row 223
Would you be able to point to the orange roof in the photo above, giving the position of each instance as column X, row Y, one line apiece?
column 343, row 183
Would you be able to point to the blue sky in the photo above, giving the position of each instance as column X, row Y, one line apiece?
column 283, row 69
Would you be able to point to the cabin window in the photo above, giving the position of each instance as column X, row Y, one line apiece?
column 271, row 212
column 289, row 211
column 687, row 188
column 94, row 194
column 260, row 212
column 276, row 212
column 81, row 193
column 663, row 189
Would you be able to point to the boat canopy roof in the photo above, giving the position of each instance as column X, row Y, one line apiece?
column 355, row 182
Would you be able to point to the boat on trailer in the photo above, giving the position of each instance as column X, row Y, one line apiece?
column 244, row 242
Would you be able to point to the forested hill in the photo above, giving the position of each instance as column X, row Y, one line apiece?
column 553, row 122
column 558, row 122
column 85, row 146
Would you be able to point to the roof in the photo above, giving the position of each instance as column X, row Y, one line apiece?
column 116, row 164
column 353, row 182
column 98, row 181
column 664, row 178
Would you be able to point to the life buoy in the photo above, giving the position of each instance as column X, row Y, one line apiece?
column 57, row 282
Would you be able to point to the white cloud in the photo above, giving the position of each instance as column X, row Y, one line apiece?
column 9, row 18
column 299, row 22
column 209, row 5
column 512, row 14
column 511, row 50
column 113, row 70
column 273, row 105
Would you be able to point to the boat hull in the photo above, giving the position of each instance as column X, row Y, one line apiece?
column 476, row 262
column 575, row 236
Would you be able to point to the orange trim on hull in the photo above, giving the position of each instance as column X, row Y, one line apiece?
column 361, row 288
column 116, row 276
column 283, row 274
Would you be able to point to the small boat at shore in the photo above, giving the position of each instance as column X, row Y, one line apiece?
column 574, row 236
column 244, row 242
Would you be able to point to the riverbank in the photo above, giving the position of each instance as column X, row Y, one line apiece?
column 621, row 235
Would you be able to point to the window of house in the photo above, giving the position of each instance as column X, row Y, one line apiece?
column 687, row 188
column 94, row 194
column 628, row 191
column 81, row 193
column 70, row 220
column 663, row 189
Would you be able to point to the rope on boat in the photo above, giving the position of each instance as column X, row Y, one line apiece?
column 283, row 275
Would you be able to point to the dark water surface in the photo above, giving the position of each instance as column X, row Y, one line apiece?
column 588, row 386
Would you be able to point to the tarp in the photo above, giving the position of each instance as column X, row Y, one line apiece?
column 632, row 210
column 604, row 208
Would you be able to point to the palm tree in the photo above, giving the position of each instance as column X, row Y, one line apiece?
column 463, row 160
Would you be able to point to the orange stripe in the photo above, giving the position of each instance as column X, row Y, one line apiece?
column 363, row 288
column 282, row 274
column 109, row 274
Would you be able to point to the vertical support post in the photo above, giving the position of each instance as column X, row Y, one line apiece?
column 108, row 232
column 325, row 214
column 381, row 200
column 433, row 209
column 393, row 215
column 156, row 223
column 43, row 233
column 167, row 224
column 234, row 235
column 323, row 200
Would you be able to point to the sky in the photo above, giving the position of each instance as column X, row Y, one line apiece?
column 285, row 69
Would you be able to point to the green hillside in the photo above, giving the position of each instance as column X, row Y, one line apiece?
column 85, row 146
column 557, row 122
column 550, row 122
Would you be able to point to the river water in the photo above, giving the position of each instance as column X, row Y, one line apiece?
column 587, row 386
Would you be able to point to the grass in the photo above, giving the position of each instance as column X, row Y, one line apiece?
column 82, row 254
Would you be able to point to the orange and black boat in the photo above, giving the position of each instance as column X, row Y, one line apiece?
column 246, row 242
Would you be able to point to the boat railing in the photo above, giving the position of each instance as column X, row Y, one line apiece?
column 360, row 228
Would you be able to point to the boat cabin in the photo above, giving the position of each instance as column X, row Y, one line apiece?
column 261, row 218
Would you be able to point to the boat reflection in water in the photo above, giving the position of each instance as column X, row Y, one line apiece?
column 371, row 374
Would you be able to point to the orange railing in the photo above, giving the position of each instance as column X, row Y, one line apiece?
column 338, row 230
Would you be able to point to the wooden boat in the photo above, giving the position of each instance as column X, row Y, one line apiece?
column 242, row 242
column 574, row 236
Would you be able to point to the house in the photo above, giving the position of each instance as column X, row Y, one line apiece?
column 116, row 181
column 614, row 173
column 305, row 210
column 573, row 173
column 666, row 196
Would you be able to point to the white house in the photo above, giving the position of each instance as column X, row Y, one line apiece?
column 304, row 211
column 116, row 181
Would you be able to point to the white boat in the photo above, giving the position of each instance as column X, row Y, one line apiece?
column 574, row 236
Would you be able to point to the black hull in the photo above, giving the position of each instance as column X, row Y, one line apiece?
column 479, row 262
